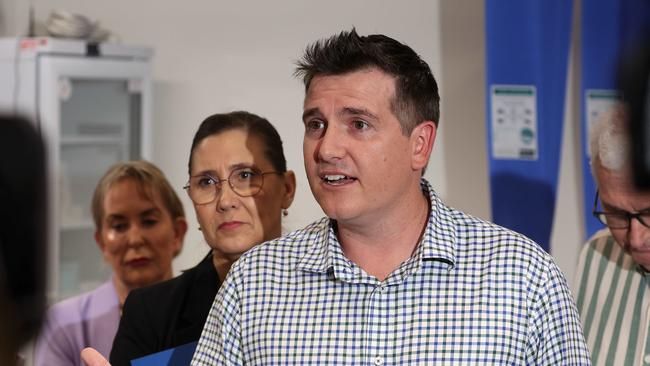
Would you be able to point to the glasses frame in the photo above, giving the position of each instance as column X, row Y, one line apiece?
column 218, row 185
column 628, row 215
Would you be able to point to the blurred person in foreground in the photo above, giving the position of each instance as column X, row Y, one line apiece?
column 392, row 275
column 612, row 280
column 139, row 228
column 23, row 235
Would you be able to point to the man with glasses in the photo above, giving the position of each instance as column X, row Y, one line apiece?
column 612, row 281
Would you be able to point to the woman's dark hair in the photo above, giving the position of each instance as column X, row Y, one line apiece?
column 249, row 122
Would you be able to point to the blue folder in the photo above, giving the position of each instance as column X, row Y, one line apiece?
column 178, row 356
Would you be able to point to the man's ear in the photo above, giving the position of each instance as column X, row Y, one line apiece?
column 289, row 188
column 422, row 138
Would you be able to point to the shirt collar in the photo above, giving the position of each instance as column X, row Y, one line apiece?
column 439, row 238
column 317, row 258
column 438, row 241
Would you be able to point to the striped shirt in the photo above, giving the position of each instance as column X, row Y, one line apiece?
column 614, row 303
column 473, row 293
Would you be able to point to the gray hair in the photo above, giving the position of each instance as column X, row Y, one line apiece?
column 609, row 142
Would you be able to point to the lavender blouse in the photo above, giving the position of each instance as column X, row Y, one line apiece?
column 87, row 320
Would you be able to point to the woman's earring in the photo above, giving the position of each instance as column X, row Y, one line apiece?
column 200, row 229
column 285, row 212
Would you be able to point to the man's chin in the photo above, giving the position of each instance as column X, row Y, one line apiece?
column 334, row 209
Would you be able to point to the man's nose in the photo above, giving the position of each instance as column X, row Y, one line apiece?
column 330, row 146
column 638, row 234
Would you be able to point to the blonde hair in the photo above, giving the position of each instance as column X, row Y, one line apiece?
column 149, row 179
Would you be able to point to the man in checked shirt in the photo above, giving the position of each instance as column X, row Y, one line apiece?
column 392, row 275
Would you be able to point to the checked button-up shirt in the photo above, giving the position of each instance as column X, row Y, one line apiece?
column 473, row 293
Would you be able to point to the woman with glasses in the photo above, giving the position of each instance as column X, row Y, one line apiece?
column 240, row 188
column 139, row 228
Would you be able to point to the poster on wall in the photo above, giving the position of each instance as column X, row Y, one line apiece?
column 514, row 122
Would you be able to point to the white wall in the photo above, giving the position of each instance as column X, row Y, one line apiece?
column 215, row 56
column 568, row 224
column 11, row 12
column 462, row 86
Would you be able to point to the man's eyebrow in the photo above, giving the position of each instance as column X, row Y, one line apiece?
column 608, row 206
column 346, row 111
column 311, row 112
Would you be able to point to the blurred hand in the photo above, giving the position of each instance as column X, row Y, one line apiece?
column 91, row 357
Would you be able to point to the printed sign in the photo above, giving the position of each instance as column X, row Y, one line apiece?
column 514, row 122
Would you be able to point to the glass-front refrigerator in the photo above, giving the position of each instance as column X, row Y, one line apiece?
column 92, row 103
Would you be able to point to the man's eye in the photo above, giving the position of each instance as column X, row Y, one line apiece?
column 360, row 125
column 617, row 215
column 614, row 212
column 314, row 125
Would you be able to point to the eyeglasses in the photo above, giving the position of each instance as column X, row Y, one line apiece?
column 245, row 182
column 621, row 219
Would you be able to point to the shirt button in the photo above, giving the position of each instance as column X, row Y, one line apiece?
column 646, row 359
column 379, row 360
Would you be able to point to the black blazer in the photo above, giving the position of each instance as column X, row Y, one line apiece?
column 165, row 315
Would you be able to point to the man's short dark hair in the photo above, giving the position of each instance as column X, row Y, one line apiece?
column 416, row 92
